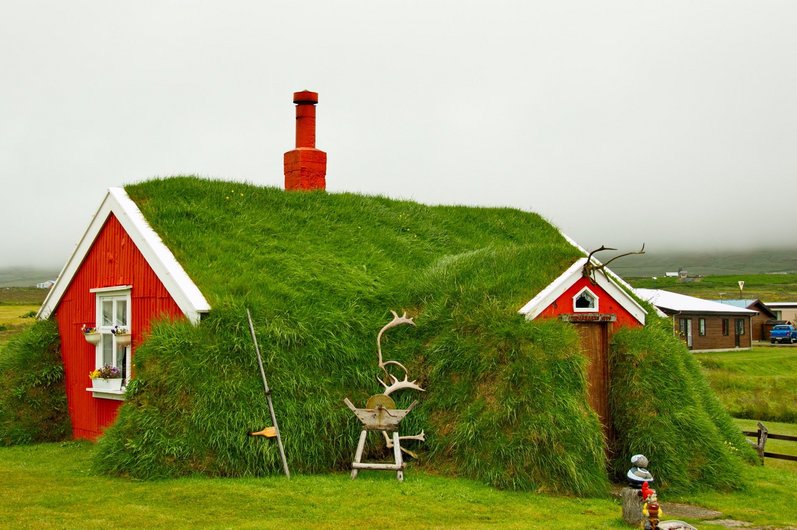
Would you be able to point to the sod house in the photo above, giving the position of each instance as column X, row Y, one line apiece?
column 540, row 370
column 122, row 274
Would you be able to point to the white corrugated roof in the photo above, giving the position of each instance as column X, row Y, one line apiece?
column 681, row 302
column 780, row 304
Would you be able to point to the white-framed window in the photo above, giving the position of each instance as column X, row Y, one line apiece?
column 585, row 301
column 113, row 314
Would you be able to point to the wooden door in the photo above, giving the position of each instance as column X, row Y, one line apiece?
column 595, row 345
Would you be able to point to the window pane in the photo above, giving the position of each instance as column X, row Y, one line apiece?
column 121, row 312
column 107, row 313
column 107, row 349
column 120, row 360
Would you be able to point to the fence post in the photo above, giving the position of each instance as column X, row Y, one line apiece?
column 762, row 440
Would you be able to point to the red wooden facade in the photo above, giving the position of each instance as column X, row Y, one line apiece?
column 606, row 305
column 112, row 261
column 595, row 327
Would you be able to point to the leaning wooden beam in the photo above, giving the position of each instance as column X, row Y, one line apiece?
column 268, row 396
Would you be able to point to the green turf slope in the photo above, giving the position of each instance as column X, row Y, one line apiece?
column 505, row 401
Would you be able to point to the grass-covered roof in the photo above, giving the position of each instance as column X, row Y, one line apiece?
column 506, row 399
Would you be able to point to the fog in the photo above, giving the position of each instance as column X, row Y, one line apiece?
column 669, row 123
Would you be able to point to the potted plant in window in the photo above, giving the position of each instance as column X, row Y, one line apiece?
column 122, row 336
column 90, row 333
column 106, row 378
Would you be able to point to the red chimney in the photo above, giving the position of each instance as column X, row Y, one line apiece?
column 305, row 166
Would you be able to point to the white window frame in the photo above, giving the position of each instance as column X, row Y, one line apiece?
column 586, row 309
column 117, row 293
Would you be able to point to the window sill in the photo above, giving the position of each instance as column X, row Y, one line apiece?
column 118, row 395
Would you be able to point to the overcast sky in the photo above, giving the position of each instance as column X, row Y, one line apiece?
column 672, row 123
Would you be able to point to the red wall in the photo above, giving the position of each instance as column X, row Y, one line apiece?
column 112, row 261
column 606, row 304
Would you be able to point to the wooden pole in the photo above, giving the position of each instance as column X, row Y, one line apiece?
column 268, row 395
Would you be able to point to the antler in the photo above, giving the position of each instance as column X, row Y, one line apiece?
column 589, row 269
column 398, row 385
column 397, row 321
column 389, row 442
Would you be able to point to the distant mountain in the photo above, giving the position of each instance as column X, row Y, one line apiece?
column 25, row 276
column 706, row 263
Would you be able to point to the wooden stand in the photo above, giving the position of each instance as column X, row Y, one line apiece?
column 379, row 419
column 358, row 464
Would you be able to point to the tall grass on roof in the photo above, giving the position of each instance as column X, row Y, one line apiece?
column 506, row 399
column 32, row 395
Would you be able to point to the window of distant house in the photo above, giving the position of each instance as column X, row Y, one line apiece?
column 683, row 327
column 585, row 301
column 113, row 324
column 726, row 327
column 701, row 327
column 740, row 326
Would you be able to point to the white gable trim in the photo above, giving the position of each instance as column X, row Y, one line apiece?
column 561, row 284
column 177, row 282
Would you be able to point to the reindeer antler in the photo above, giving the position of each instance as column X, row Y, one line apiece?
column 589, row 269
column 397, row 321
column 395, row 384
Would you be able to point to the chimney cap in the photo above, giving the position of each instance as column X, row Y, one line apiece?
column 304, row 97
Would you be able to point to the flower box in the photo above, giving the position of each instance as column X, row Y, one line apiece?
column 92, row 338
column 122, row 339
column 107, row 384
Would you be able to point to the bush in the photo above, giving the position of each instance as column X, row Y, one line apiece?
column 664, row 408
column 32, row 395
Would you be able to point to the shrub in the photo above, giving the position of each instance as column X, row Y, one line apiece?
column 32, row 395
column 664, row 409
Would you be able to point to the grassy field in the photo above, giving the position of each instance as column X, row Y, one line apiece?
column 22, row 295
column 715, row 262
column 783, row 447
column 760, row 384
column 13, row 319
column 51, row 486
column 766, row 287
column 17, row 304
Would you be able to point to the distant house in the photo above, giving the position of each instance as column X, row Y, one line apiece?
column 786, row 311
column 45, row 285
column 762, row 322
column 704, row 325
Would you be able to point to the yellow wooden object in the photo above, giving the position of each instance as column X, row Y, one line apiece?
column 268, row 432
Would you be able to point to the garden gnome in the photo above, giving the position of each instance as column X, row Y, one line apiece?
column 638, row 477
column 651, row 509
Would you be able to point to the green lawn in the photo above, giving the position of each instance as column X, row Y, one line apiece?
column 759, row 384
column 784, row 447
column 51, row 486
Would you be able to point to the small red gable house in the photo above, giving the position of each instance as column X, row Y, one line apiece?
column 596, row 303
column 122, row 275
